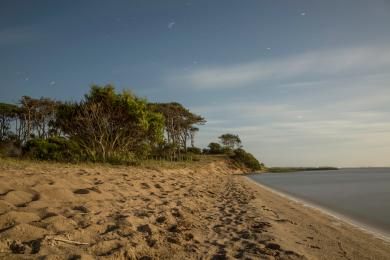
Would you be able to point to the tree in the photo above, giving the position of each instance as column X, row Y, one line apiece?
column 230, row 141
column 36, row 117
column 179, row 125
column 214, row 148
column 109, row 125
column 8, row 114
column 246, row 159
column 104, row 125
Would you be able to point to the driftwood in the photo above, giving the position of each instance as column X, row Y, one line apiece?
column 67, row 241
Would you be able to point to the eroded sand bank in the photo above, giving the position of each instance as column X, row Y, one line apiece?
column 201, row 211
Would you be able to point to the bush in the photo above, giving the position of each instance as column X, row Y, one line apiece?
column 10, row 149
column 228, row 151
column 53, row 149
column 246, row 159
column 214, row 148
column 194, row 150
column 119, row 159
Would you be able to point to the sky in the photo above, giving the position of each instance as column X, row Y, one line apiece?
column 303, row 82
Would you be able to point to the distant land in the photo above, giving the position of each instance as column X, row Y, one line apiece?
column 300, row 169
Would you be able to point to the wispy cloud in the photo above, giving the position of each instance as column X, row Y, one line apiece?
column 314, row 65
column 341, row 122
column 349, row 139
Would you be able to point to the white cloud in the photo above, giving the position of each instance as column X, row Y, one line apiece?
column 318, row 65
column 318, row 108
column 314, row 142
column 351, row 131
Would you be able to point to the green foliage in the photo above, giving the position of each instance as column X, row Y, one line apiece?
column 10, row 149
column 105, row 126
column 227, row 151
column 230, row 141
column 246, row 159
column 214, row 148
column 179, row 125
column 194, row 150
column 122, row 158
column 8, row 112
column 110, row 125
column 53, row 149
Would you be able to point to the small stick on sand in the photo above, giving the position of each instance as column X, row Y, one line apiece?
column 68, row 241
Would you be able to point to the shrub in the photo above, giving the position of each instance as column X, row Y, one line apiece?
column 194, row 150
column 215, row 148
column 127, row 158
column 228, row 151
column 10, row 149
column 54, row 149
column 246, row 159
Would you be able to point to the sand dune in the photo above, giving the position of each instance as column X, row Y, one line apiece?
column 201, row 211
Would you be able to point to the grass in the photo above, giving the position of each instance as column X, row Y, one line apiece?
column 199, row 160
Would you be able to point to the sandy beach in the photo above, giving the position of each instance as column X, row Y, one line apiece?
column 202, row 210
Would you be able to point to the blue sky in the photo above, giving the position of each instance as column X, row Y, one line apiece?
column 302, row 82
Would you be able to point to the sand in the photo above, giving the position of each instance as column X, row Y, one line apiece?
column 203, row 210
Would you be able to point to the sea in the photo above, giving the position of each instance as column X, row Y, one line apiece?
column 361, row 195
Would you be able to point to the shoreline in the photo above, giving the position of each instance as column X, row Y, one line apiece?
column 329, row 212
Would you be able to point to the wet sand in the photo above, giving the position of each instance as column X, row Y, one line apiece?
column 316, row 233
column 196, row 211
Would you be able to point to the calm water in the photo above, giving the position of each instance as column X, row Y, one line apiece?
column 362, row 195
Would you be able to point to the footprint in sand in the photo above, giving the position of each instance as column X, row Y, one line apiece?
column 161, row 219
column 286, row 221
column 273, row 246
column 98, row 182
column 24, row 232
column 20, row 198
column 82, row 209
column 59, row 224
column 142, row 213
column 145, row 185
column 5, row 207
column 106, row 248
column 176, row 213
column 12, row 218
column 173, row 229
column 81, row 191
column 145, row 229
column 31, row 247
column 4, row 189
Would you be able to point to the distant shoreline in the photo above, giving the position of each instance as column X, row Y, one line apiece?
column 300, row 169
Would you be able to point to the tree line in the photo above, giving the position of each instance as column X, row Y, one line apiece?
column 106, row 126
column 30, row 118
column 103, row 126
